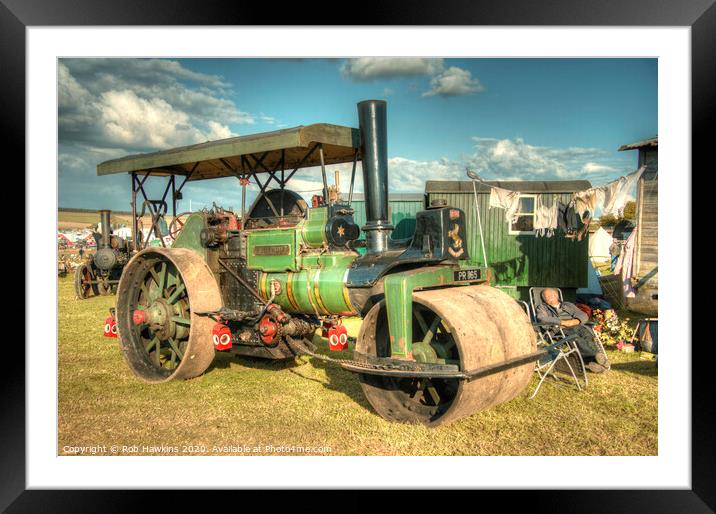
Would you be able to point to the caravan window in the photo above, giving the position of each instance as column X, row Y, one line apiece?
column 524, row 224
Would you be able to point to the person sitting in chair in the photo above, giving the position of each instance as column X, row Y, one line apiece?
column 572, row 320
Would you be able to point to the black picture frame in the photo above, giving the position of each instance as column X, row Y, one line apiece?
column 699, row 15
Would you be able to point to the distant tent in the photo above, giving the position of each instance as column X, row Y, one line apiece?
column 593, row 287
column 63, row 237
column 599, row 244
column 90, row 240
column 123, row 232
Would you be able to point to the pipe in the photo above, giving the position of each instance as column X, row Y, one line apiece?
column 372, row 120
column 104, row 221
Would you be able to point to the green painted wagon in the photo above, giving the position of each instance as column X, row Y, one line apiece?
column 520, row 257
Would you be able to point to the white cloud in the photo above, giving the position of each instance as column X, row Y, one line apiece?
column 370, row 68
column 593, row 167
column 218, row 131
column 501, row 158
column 129, row 120
column 407, row 175
column 505, row 160
column 143, row 104
column 454, row 82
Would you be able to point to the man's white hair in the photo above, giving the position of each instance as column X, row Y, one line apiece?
column 544, row 292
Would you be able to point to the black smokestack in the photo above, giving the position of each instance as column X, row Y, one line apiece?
column 374, row 150
column 104, row 221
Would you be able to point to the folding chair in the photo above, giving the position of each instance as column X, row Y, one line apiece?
column 559, row 347
column 536, row 300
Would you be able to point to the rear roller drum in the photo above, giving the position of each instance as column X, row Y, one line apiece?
column 158, row 295
column 472, row 327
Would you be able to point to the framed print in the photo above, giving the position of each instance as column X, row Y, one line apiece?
column 294, row 252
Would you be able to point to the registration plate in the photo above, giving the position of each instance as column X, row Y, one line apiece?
column 467, row 275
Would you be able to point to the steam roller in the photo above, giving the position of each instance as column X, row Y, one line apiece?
column 437, row 342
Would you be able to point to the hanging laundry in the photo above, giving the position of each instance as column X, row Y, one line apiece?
column 586, row 220
column 585, row 202
column 625, row 265
column 567, row 219
column 545, row 221
column 505, row 199
column 617, row 193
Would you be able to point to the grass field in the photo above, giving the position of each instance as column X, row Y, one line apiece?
column 265, row 405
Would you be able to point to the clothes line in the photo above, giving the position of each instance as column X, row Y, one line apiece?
column 611, row 198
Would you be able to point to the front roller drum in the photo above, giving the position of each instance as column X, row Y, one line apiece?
column 472, row 327
column 161, row 336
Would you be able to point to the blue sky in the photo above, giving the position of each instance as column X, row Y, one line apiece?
column 509, row 119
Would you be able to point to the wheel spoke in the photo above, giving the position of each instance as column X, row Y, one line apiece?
column 431, row 331
column 181, row 321
column 154, row 274
column 421, row 321
column 175, row 348
column 153, row 342
column 145, row 290
column 179, row 290
column 162, row 278
column 433, row 392
column 417, row 392
column 158, row 347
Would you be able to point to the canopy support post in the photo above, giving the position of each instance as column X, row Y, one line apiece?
column 353, row 176
column 243, row 180
column 134, row 211
column 283, row 183
column 323, row 173
column 174, row 197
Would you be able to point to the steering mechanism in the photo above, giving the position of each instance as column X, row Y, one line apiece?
column 177, row 224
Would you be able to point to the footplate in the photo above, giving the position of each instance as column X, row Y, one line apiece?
column 364, row 363
column 398, row 368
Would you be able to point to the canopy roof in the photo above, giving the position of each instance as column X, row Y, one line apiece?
column 652, row 142
column 287, row 149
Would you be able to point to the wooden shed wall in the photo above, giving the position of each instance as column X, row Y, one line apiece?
column 521, row 260
column 647, row 255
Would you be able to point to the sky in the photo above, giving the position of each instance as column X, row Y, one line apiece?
column 506, row 119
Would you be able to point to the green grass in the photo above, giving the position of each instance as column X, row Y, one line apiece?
column 259, row 403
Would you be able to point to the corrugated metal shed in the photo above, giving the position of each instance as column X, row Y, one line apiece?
column 520, row 261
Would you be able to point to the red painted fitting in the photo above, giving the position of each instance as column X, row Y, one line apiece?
column 139, row 317
column 110, row 327
column 221, row 336
column 267, row 329
column 337, row 338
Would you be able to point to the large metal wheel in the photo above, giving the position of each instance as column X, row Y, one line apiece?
column 84, row 278
column 472, row 326
column 161, row 336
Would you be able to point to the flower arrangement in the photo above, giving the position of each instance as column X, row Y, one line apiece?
column 610, row 329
